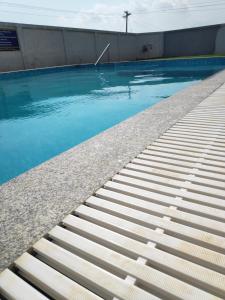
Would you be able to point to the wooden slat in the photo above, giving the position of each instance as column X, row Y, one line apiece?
column 198, row 122
column 14, row 288
column 202, row 154
column 196, row 140
column 183, row 146
column 167, row 190
column 173, row 265
column 215, row 166
column 146, row 275
column 198, row 190
column 136, row 165
column 160, row 198
column 202, row 139
column 78, row 269
column 195, row 143
column 170, row 154
column 50, row 281
column 197, row 168
column 199, row 133
column 168, row 244
column 199, row 128
column 196, row 221
column 213, row 120
column 206, row 114
column 178, row 230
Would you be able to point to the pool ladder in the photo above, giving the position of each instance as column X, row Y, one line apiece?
column 103, row 52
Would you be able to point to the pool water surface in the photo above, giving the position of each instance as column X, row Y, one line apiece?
column 45, row 112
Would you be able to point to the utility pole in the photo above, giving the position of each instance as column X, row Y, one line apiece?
column 126, row 16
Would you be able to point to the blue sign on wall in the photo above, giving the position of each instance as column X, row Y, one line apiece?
column 8, row 40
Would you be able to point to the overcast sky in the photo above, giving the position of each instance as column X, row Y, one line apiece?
column 147, row 15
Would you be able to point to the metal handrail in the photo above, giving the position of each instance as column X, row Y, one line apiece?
column 103, row 52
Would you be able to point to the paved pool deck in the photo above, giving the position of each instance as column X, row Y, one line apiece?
column 34, row 202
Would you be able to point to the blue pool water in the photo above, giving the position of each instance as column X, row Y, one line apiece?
column 45, row 112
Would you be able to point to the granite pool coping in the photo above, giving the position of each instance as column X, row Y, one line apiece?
column 34, row 202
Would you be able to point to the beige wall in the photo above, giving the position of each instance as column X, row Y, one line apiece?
column 220, row 41
column 43, row 48
column 46, row 46
column 79, row 47
column 10, row 61
column 154, row 43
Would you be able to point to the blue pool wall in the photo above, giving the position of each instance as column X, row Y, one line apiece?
column 47, row 46
column 157, row 63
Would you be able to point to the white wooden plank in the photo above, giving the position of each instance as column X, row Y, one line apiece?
column 183, row 171
column 188, row 219
column 195, row 142
column 163, row 199
column 50, row 281
column 199, row 169
column 167, row 190
column 210, row 109
column 198, row 128
column 203, row 154
column 135, row 237
column 200, row 138
column 182, row 146
column 148, row 276
column 205, row 123
column 203, row 118
column 172, row 167
column 14, row 288
column 92, row 276
column 151, row 221
column 216, row 140
column 188, row 159
column 207, row 119
column 212, row 114
column 151, row 278
column 218, row 136
column 212, row 196
column 166, row 172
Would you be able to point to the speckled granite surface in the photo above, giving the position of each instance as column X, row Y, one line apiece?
column 34, row 202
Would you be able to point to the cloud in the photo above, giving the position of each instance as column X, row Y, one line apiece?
column 154, row 15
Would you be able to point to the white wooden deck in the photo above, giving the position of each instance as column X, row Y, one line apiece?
column 155, row 231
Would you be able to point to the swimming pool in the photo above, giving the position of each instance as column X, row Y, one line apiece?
column 45, row 112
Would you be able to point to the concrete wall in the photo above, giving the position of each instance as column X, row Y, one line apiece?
column 43, row 48
column 196, row 41
column 46, row 46
column 11, row 60
column 150, row 45
column 220, row 41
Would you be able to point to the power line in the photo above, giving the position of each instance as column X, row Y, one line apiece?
column 26, row 6
column 44, row 15
column 72, row 17
column 210, row 5
column 187, row 8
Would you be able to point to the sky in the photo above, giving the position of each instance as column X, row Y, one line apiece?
column 147, row 15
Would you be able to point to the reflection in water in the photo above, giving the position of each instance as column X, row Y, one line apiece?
column 22, row 100
column 42, row 115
